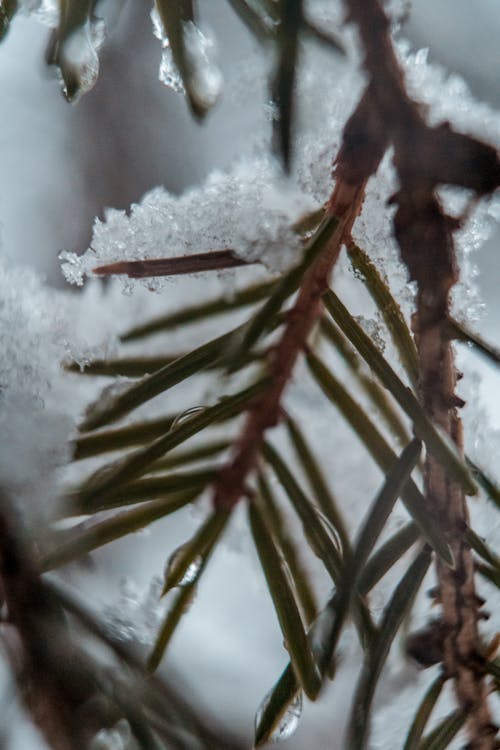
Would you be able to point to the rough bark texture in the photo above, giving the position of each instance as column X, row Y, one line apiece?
column 424, row 158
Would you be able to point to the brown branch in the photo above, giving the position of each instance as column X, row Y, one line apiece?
column 424, row 158
column 215, row 260
column 358, row 158
column 51, row 689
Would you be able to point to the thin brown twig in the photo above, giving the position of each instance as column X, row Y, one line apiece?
column 215, row 260
column 425, row 157
column 358, row 158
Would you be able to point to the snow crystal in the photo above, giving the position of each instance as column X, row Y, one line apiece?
column 34, row 420
column 248, row 210
column 168, row 73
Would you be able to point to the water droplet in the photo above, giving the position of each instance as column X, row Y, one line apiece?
column 185, row 416
column 79, row 64
column 206, row 78
column 287, row 723
column 172, row 567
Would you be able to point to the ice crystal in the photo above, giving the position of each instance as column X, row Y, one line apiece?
column 168, row 73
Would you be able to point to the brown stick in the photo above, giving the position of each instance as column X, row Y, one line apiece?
column 216, row 260
column 358, row 159
column 425, row 157
column 52, row 690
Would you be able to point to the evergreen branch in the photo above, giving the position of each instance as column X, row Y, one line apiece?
column 312, row 276
column 36, row 617
column 150, row 488
column 197, row 547
column 440, row 446
column 394, row 614
column 137, row 367
column 387, row 556
column 387, row 304
column 319, row 486
column 290, row 22
column 490, row 487
column 314, row 530
column 105, row 482
column 493, row 669
column 392, row 420
column 107, row 441
column 222, row 305
column 160, row 698
column 285, row 605
column 277, row 524
column 309, row 222
column 375, row 392
column 286, row 286
column 200, row 452
column 195, row 553
column 423, row 714
column 489, row 573
column 390, row 310
column 439, row 155
column 462, row 333
column 72, row 545
column 318, row 538
column 175, row 17
column 319, row 634
column 372, row 527
column 348, row 584
column 8, row 9
column 447, row 729
column 138, row 433
column 381, row 452
column 182, row 601
column 73, row 17
column 109, row 410
column 482, row 549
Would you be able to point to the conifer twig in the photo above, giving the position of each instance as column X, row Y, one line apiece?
column 438, row 155
column 358, row 158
